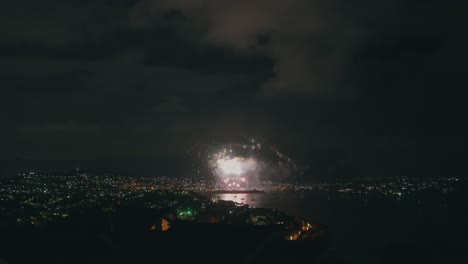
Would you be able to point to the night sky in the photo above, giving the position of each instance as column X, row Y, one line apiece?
column 347, row 88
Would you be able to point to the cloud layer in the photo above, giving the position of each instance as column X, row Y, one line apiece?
column 329, row 80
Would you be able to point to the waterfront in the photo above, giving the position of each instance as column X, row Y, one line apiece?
column 367, row 229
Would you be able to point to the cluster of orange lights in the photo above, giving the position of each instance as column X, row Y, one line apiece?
column 305, row 227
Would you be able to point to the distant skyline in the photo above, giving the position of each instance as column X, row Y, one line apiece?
column 361, row 89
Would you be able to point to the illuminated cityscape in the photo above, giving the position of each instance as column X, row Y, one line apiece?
column 120, row 205
column 38, row 199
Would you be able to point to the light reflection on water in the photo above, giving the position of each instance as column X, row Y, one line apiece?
column 252, row 199
column 256, row 200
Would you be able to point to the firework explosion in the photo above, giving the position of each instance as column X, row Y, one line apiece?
column 237, row 166
column 234, row 172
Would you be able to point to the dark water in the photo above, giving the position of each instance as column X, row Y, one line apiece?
column 416, row 228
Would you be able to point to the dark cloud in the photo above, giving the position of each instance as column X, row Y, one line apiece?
column 379, row 85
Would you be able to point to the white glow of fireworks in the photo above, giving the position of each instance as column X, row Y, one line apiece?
column 233, row 166
column 243, row 166
column 234, row 172
column 236, row 166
